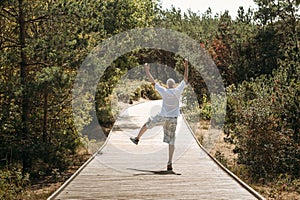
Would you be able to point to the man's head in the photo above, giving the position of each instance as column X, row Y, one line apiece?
column 170, row 83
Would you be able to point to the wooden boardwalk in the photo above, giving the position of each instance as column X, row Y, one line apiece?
column 122, row 170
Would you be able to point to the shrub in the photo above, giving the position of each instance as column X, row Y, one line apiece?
column 148, row 91
column 205, row 110
column 132, row 90
column 262, row 121
column 12, row 183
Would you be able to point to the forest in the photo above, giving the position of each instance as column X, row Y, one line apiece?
column 44, row 43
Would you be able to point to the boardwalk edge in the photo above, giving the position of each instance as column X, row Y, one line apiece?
column 65, row 184
column 235, row 177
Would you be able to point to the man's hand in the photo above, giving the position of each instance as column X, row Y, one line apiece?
column 186, row 63
column 147, row 67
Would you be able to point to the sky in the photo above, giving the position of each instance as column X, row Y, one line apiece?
column 217, row 6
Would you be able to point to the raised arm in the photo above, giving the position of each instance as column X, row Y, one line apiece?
column 150, row 77
column 186, row 70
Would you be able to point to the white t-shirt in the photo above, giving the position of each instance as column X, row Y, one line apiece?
column 171, row 98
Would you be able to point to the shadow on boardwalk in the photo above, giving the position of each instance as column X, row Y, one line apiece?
column 149, row 172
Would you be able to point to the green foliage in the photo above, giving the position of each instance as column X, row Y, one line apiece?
column 263, row 114
column 190, row 106
column 205, row 110
column 263, row 122
column 129, row 90
column 12, row 183
column 38, row 130
column 42, row 44
column 148, row 91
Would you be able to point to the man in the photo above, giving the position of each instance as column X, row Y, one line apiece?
column 167, row 117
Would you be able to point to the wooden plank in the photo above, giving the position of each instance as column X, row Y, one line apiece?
column 122, row 170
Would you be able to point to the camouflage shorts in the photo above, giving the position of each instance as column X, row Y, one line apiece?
column 169, row 124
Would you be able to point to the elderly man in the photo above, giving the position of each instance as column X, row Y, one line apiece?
column 167, row 117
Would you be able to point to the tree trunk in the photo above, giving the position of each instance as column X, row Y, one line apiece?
column 26, row 160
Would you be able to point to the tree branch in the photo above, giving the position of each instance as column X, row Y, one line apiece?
column 12, row 15
column 4, row 16
column 41, row 18
column 37, row 63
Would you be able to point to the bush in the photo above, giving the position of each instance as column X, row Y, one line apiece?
column 205, row 111
column 148, row 92
column 125, row 91
column 12, row 183
column 132, row 90
column 262, row 121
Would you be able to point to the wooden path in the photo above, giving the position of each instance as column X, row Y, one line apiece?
column 122, row 170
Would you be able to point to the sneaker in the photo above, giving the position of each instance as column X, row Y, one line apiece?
column 134, row 140
column 169, row 166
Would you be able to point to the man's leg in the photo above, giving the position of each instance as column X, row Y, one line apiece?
column 169, row 137
column 171, row 152
column 136, row 139
column 155, row 121
column 142, row 131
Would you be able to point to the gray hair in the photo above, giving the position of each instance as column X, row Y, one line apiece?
column 170, row 83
